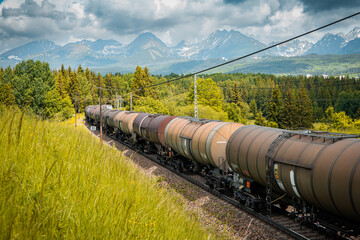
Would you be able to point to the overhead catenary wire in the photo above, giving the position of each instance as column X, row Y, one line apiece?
column 248, row 55
column 133, row 90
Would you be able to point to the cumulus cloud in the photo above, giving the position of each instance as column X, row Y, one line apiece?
column 63, row 21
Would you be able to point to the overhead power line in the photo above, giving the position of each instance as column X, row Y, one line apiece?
column 247, row 55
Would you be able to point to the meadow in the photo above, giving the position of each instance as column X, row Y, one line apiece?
column 58, row 181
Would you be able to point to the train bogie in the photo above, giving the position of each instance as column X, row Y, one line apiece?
column 309, row 171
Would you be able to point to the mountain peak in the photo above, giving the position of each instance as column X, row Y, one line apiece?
column 145, row 41
column 355, row 33
column 29, row 49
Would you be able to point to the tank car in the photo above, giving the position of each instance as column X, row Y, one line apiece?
column 315, row 172
column 315, row 169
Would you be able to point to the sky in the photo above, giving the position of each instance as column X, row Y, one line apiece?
column 23, row 21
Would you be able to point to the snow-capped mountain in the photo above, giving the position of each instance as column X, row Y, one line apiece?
column 185, row 49
column 353, row 34
column 147, row 43
column 329, row 44
column 29, row 50
column 228, row 44
column 149, row 50
column 337, row 43
column 293, row 48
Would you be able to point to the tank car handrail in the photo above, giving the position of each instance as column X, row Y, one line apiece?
column 323, row 134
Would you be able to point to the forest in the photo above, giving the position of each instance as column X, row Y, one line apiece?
column 288, row 102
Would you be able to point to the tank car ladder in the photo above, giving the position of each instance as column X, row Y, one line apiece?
column 269, row 169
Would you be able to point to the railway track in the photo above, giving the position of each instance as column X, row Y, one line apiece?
column 278, row 219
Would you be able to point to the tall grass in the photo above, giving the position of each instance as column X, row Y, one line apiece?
column 58, row 181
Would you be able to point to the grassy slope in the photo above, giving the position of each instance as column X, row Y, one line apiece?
column 57, row 181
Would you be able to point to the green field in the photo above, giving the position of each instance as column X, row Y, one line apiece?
column 58, row 181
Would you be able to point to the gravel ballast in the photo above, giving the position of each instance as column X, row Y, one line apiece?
column 214, row 213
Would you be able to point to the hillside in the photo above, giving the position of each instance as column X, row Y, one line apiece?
column 58, row 181
column 302, row 65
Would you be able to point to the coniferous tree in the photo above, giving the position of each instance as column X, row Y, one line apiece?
column 80, row 70
column 253, row 108
column 275, row 106
column 260, row 120
column 305, row 109
column 74, row 86
column 6, row 96
column 61, row 85
column 235, row 94
column 289, row 117
column 142, row 79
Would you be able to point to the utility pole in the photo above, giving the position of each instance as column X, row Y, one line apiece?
column 75, row 108
column 195, row 99
column 130, row 101
column 101, row 137
column 120, row 102
column 117, row 102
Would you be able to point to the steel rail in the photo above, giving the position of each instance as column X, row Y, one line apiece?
column 266, row 219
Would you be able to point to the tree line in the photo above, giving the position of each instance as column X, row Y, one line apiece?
column 289, row 102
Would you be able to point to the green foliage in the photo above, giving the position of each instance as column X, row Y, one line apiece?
column 238, row 113
column 349, row 102
column 61, row 85
column 275, row 106
column 150, row 105
column 6, row 96
column 289, row 113
column 272, row 124
column 31, row 81
column 59, row 182
column 260, row 119
column 338, row 120
column 294, row 102
column 208, row 93
column 305, row 110
column 57, row 106
column 253, row 108
column 142, row 79
column 208, row 112
column 235, row 94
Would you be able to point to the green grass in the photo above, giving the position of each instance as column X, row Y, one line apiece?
column 58, row 181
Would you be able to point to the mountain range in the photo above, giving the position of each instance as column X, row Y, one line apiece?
column 147, row 49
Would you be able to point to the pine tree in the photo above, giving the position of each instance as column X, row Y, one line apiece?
column 80, row 70
column 1, row 73
column 253, row 108
column 260, row 120
column 235, row 94
column 289, row 113
column 6, row 96
column 88, row 74
column 305, row 109
column 74, row 86
column 275, row 106
column 61, row 85
column 142, row 79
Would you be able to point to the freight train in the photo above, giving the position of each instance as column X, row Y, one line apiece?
column 316, row 173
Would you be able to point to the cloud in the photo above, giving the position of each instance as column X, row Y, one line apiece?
column 314, row 6
column 22, row 21
column 234, row 1
column 31, row 9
